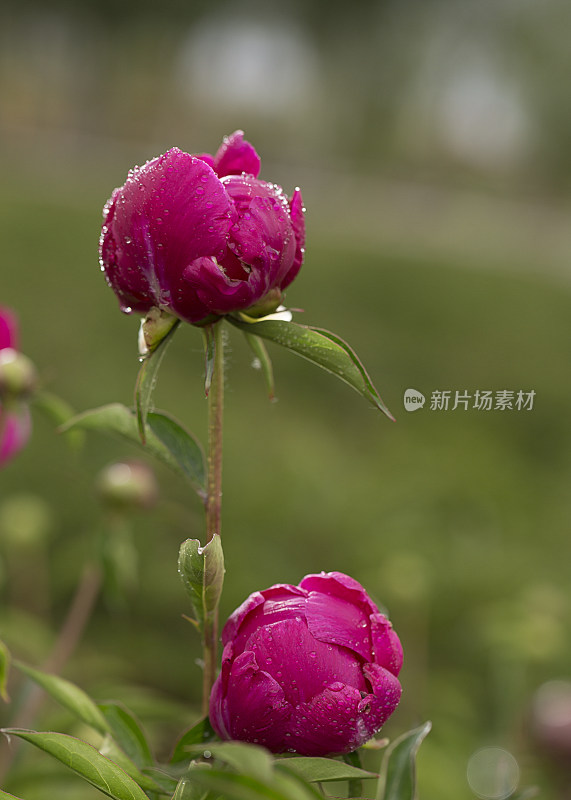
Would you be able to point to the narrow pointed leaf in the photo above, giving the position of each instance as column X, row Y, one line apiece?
column 321, row 347
column 200, row 733
column 321, row 770
column 147, row 378
column 85, row 761
column 260, row 352
column 68, row 695
column 5, row 796
column 5, row 661
column 128, row 734
column 202, row 573
column 167, row 440
column 398, row 771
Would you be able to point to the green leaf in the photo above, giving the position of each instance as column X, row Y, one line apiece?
column 147, row 377
column 202, row 572
column 84, row 760
column 321, row 770
column 127, row 732
column 68, row 695
column 398, row 771
column 111, row 750
column 188, row 790
column 167, row 440
column 184, row 449
column 5, row 796
column 5, row 661
column 200, row 733
column 245, row 758
column 245, row 787
column 321, row 347
column 59, row 412
column 260, row 352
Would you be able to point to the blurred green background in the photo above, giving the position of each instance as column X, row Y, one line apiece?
column 431, row 142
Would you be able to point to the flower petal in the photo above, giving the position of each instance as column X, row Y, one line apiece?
column 255, row 709
column 298, row 223
column 335, row 620
column 376, row 708
column 337, row 584
column 8, row 329
column 302, row 665
column 15, row 429
column 328, row 723
column 235, row 156
column 262, row 236
column 235, row 620
column 386, row 644
column 282, row 601
column 169, row 213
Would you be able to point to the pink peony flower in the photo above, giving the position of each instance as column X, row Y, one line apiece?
column 310, row 669
column 15, row 425
column 198, row 236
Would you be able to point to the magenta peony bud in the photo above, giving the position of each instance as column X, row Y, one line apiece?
column 17, row 379
column 198, row 236
column 309, row 669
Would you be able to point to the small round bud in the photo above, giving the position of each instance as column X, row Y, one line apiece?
column 18, row 376
column 551, row 719
column 127, row 486
column 25, row 520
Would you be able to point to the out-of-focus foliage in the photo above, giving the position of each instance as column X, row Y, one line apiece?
column 430, row 140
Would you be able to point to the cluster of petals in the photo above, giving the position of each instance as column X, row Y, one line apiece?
column 310, row 669
column 201, row 236
column 15, row 422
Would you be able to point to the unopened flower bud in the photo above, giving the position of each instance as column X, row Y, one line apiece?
column 201, row 236
column 127, row 486
column 310, row 669
column 18, row 376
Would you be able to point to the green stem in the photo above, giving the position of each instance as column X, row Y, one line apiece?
column 215, row 376
column 355, row 788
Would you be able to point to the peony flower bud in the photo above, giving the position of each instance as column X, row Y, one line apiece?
column 201, row 236
column 310, row 669
column 128, row 486
column 17, row 380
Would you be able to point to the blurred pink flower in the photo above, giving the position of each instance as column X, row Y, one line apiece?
column 15, row 424
column 201, row 236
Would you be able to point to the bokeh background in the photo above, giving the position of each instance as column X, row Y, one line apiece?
column 431, row 142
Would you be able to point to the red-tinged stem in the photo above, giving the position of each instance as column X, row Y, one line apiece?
column 215, row 419
column 76, row 620
column 213, row 498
